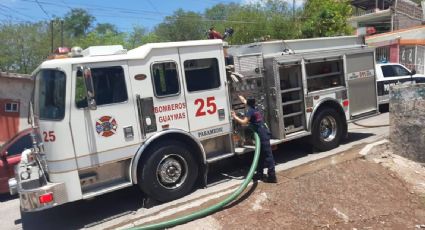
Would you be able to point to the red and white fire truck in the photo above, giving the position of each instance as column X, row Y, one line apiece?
column 157, row 115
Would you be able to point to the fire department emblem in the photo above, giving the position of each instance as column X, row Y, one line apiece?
column 106, row 126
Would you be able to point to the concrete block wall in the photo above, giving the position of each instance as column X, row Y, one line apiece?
column 407, row 121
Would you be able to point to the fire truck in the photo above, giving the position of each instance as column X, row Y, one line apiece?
column 158, row 115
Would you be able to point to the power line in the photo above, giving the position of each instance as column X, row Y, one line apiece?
column 41, row 7
column 131, row 11
column 66, row 4
column 152, row 5
column 4, row 6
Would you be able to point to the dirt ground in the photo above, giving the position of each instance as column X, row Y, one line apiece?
column 379, row 191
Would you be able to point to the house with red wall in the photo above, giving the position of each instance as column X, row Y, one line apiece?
column 15, row 94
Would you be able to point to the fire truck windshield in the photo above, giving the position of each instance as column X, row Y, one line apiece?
column 50, row 94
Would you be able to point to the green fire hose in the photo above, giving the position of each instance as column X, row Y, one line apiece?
column 216, row 207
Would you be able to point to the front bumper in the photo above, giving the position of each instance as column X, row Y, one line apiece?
column 30, row 198
column 35, row 191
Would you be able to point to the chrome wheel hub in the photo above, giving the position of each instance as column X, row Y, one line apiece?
column 172, row 171
column 328, row 128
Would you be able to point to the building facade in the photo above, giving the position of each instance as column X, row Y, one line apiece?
column 386, row 15
column 402, row 46
column 15, row 94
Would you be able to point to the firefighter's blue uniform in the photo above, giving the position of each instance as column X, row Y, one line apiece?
column 266, row 157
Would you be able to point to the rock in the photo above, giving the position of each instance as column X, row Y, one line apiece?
column 407, row 121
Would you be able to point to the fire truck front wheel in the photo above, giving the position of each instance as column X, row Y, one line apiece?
column 169, row 172
column 327, row 130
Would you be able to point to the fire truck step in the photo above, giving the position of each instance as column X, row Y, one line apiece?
column 290, row 90
column 293, row 114
column 292, row 102
column 213, row 157
column 106, row 187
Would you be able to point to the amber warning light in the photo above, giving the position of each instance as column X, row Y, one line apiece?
column 60, row 52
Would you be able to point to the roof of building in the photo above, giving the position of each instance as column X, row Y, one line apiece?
column 367, row 4
column 414, row 34
column 15, row 75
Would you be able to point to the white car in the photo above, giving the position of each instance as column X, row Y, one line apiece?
column 389, row 74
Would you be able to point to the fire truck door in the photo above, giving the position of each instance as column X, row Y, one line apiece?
column 109, row 132
column 206, row 92
column 167, row 103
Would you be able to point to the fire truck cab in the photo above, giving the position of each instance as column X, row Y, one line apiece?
column 158, row 114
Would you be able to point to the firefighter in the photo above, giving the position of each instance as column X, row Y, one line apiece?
column 255, row 119
column 213, row 34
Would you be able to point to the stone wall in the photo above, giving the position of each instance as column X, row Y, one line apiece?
column 407, row 121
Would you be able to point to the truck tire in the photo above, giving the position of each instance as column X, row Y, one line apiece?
column 327, row 130
column 169, row 171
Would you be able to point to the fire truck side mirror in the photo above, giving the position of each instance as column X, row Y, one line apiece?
column 88, row 83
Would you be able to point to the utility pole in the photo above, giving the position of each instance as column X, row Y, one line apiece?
column 61, row 33
column 51, row 29
column 293, row 10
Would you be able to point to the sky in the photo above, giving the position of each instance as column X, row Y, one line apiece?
column 122, row 13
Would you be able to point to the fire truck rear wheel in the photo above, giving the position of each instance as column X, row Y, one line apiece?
column 327, row 130
column 169, row 172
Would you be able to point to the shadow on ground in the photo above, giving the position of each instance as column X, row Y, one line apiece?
column 7, row 197
column 85, row 213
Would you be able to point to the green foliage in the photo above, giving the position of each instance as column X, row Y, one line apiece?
column 78, row 22
column 181, row 26
column 104, row 28
column 94, row 38
column 23, row 46
column 136, row 36
column 324, row 18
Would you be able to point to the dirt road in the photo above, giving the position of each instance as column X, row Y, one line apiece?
column 355, row 194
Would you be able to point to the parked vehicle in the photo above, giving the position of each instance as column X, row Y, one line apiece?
column 10, row 154
column 157, row 115
column 389, row 74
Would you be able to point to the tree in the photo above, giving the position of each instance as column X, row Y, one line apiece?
column 218, row 16
column 181, row 26
column 78, row 22
column 104, row 28
column 150, row 38
column 323, row 18
column 263, row 20
column 135, row 37
column 94, row 38
column 23, row 46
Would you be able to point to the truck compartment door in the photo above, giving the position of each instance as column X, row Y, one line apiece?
column 286, row 96
column 361, row 84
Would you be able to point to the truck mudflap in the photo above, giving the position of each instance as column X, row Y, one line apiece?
column 44, row 197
